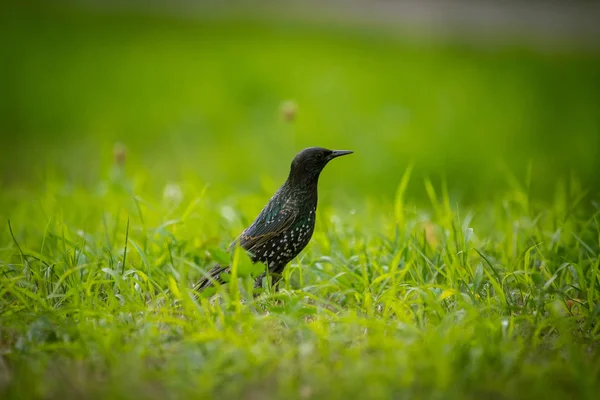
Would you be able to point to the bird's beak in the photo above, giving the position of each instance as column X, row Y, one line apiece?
column 338, row 153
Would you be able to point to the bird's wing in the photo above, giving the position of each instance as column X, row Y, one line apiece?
column 270, row 222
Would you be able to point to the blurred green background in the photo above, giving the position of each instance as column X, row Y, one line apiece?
column 198, row 97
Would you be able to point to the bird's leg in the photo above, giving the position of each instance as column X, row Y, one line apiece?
column 258, row 281
column 275, row 278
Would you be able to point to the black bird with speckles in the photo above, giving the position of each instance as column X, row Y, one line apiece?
column 285, row 225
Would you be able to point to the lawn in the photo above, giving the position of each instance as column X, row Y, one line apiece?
column 456, row 253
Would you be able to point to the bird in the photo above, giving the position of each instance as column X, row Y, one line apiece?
column 285, row 225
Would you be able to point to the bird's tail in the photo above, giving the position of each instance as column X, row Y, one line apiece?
column 213, row 276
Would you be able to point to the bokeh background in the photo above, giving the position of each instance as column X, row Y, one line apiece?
column 477, row 94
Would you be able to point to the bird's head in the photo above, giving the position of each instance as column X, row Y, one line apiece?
column 308, row 164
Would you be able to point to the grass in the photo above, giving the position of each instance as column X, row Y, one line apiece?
column 456, row 253
column 498, row 300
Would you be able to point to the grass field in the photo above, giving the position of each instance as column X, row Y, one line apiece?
column 456, row 253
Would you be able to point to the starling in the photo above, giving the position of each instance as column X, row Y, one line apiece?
column 285, row 225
